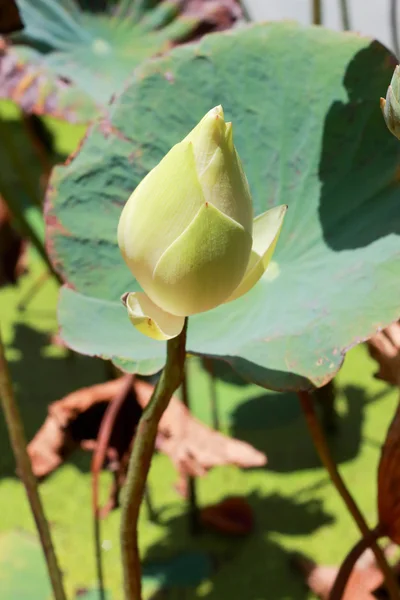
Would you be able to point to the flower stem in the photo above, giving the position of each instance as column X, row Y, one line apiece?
column 347, row 566
column 317, row 12
column 245, row 11
column 140, row 460
column 322, row 448
column 24, row 469
column 344, row 9
column 208, row 363
column 193, row 511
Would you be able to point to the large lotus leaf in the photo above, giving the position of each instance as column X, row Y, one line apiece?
column 305, row 107
column 67, row 62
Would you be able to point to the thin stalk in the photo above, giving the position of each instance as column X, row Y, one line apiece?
column 322, row 448
column 24, row 468
column 99, row 561
column 317, row 12
column 325, row 396
column 140, row 460
column 32, row 291
column 394, row 28
column 344, row 9
column 213, row 393
column 98, row 458
column 245, row 11
column 347, row 566
column 193, row 512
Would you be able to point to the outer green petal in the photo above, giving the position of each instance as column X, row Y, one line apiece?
column 225, row 185
column 266, row 230
column 219, row 169
column 150, row 319
column 160, row 208
column 188, row 281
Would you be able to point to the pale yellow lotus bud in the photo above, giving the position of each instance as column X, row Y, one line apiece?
column 186, row 232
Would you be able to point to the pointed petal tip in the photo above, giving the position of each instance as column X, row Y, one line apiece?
column 217, row 112
column 229, row 135
column 266, row 230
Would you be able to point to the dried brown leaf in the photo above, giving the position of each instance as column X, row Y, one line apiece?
column 75, row 421
column 384, row 347
column 193, row 447
column 365, row 579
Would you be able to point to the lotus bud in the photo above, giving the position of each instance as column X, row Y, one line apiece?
column 391, row 106
column 187, row 232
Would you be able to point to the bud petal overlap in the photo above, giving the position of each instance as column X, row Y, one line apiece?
column 186, row 232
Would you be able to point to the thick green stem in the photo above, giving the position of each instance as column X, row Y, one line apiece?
column 139, row 463
column 24, row 468
column 317, row 12
column 327, row 460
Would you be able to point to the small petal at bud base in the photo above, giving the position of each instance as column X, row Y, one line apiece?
column 150, row 319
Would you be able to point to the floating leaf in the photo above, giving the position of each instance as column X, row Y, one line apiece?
column 307, row 124
column 68, row 62
column 188, row 569
column 23, row 572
